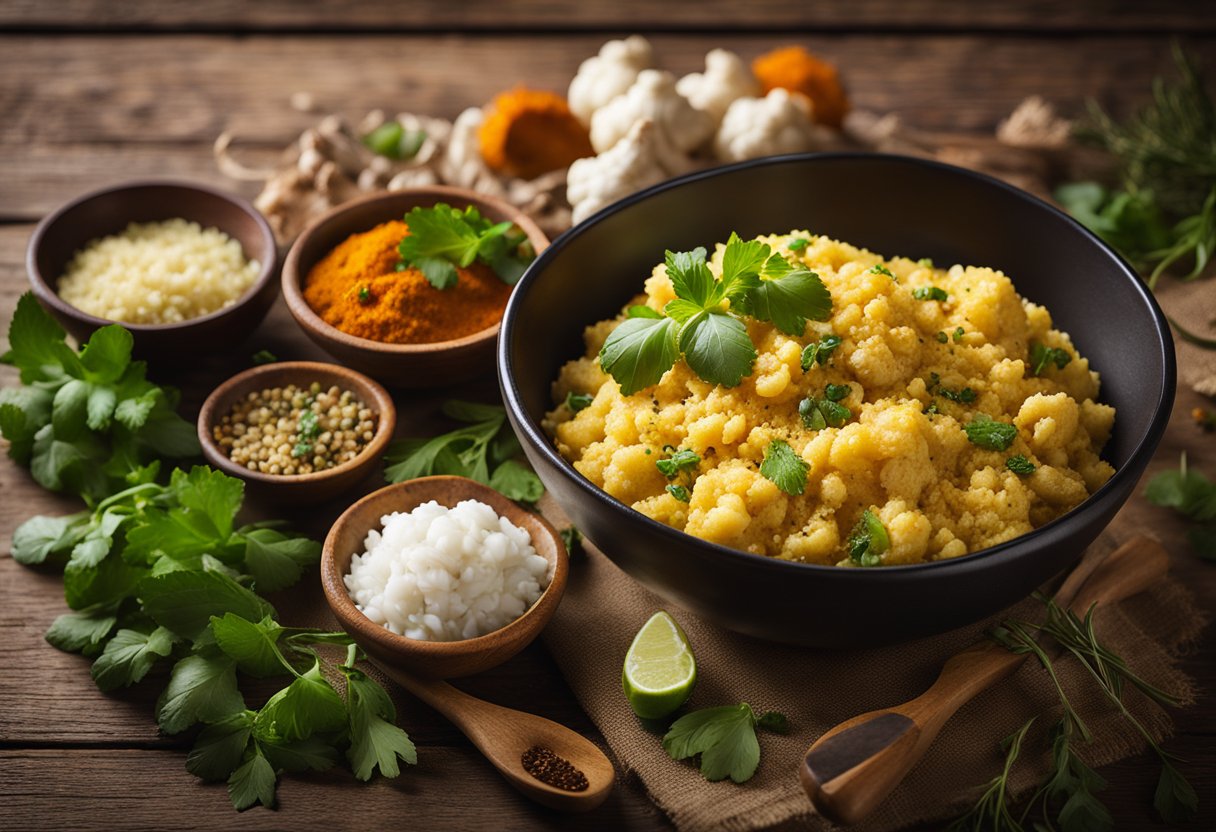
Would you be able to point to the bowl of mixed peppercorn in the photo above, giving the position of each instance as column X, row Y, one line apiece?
column 298, row 431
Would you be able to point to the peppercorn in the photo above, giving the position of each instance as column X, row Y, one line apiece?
column 554, row 770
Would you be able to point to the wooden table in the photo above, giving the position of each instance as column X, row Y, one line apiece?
column 94, row 92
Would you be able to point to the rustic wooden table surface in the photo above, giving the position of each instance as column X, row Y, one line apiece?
column 93, row 92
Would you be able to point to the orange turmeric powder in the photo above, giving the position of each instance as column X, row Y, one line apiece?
column 797, row 70
column 530, row 132
column 357, row 289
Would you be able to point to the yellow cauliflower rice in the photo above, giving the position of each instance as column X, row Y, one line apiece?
column 918, row 369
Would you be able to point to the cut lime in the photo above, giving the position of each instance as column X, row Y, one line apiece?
column 659, row 668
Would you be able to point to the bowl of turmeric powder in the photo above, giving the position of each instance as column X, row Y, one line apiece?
column 410, row 286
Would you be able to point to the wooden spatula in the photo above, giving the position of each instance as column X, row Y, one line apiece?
column 852, row 768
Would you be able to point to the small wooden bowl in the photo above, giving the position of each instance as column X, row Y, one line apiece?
column 108, row 211
column 300, row 488
column 437, row 659
column 401, row 365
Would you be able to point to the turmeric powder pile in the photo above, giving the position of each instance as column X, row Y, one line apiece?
column 357, row 289
column 797, row 70
column 530, row 132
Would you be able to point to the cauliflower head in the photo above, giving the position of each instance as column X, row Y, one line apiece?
column 603, row 77
column 755, row 127
column 653, row 96
column 726, row 79
column 630, row 165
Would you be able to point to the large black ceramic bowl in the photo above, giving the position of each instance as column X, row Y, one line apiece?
column 895, row 206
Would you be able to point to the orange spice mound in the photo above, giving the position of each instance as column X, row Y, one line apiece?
column 357, row 289
column 797, row 70
column 530, row 132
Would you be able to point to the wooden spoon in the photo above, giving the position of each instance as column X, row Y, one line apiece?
column 852, row 768
column 503, row 735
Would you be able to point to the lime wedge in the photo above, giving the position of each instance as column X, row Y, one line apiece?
column 659, row 668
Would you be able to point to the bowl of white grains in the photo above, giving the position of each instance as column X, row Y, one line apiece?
column 189, row 269
column 297, row 431
column 442, row 576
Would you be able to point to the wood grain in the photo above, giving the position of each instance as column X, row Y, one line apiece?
column 550, row 15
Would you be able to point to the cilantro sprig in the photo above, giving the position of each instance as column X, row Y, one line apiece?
column 784, row 468
column 1042, row 357
column 868, row 540
column 680, row 463
column 704, row 323
column 725, row 739
column 443, row 238
column 1192, row 495
column 87, row 422
column 989, row 434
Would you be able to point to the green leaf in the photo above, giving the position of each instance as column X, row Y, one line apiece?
column 211, row 493
column 774, row 721
column 41, row 536
column 253, row 782
column 868, row 540
column 743, row 260
column 578, row 401
column 640, row 311
column 107, row 582
column 473, row 412
column 106, row 355
column 168, row 434
column 639, row 351
column 1041, row 357
column 690, row 276
column 385, row 140
column 202, row 688
column 717, row 348
column 277, row 560
column 681, row 310
column 930, row 293
column 32, row 336
column 306, row 706
column 184, row 601
column 375, row 741
column 82, row 631
column 1020, row 465
column 989, row 434
column 790, row 301
column 725, row 738
column 100, row 407
column 253, row 646
column 1175, row 799
column 133, row 412
column 128, row 657
column 220, row 746
column 516, row 481
column 784, row 467
column 819, row 352
column 19, row 430
column 69, row 410
column 439, row 272
column 312, row 754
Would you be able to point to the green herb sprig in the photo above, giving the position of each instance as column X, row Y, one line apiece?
column 725, row 739
column 1192, row 495
column 989, row 434
column 443, row 238
column 819, row 352
column 868, row 540
column 1042, row 357
column 704, row 325
column 682, row 464
column 784, row 468
column 88, row 422
column 485, row 449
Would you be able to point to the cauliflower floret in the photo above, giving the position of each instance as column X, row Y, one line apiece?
column 603, row 77
column 680, row 128
column 726, row 78
column 462, row 164
column 755, row 127
column 630, row 165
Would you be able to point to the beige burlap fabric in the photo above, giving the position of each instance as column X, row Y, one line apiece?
column 603, row 609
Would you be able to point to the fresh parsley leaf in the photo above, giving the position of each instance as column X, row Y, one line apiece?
column 220, row 746
column 184, row 601
column 819, row 352
column 964, row 396
column 790, row 301
column 717, row 348
column 263, row 357
column 642, row 311
column 307, row 706
column 442, row 238
column 1042, row 356
column 375, row 741
column 680, row 492
column 253, row 782
column 1020, row 465
column 129, row 655
column 690, row 276
column 820, row 413
column 312, row 754
column 252, row 645
column 774, row 721
column 836, row 392
column 783, row 467
column 277, row 560
column 679, row 461
column 812, row 416
column 82, row 631
column 639, row 351
column 879, row 268
column 578, row 401
column 868, row 540
column 797, row 244
column 517, row 482
column 202, row 688
column 930, row 293
column 989, row 434
column 725, row 737
column 40, row 537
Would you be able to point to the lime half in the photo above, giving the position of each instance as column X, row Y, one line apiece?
column 659, row 668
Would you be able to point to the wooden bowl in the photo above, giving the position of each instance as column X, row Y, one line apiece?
column 437, row 659
column 108, row 211
column 401, row 365
column 299, row 488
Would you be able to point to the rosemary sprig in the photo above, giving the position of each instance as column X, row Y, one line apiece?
column 991, row 812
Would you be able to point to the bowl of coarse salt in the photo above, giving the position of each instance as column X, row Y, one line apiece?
column 442, row 576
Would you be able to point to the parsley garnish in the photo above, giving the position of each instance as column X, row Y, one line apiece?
column 365, row 295
column 826, row 412
column 725, row 738
column 930, row 293
column 784, row 467
column 881, row 269
column 868, row 540
column 958, row 334
column 943, row 337
column 836, row 392
column 443, row 238
column 989, row 434
column 679, row 463
column 1020, row 465
column 1041, row 356
column 578, row 401
column 797, row 244
column 483, row 450
column 819, row 352
column 679, row 492
column 964, row 396
column 1194, row 496
column 713, row 341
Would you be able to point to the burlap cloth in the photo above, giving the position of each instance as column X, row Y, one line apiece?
column 603, row 608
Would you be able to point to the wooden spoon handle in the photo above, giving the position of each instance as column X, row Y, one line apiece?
column 852, row 768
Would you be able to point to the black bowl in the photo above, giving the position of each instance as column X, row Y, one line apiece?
column 895, row 206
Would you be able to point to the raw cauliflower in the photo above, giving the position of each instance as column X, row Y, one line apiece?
column 603, row 77
column 726, row 79
column 631, row 164
column 680, row 127
column 755, row 127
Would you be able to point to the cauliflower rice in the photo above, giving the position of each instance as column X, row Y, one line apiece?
column 158, row 273
column 903, row 453
column 443, row 574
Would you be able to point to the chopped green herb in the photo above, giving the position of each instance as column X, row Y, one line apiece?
column 836, row 392
column 989, row 434
column 679, row 461
column 819, row 352
column 725, row 739
column 578, row 401
column 573, row 540
column 958, row 334
column 308, row 430
column 1020, row 465
column 797, row 244
column 1041, row 356
column 679, row 492
column 812, row 417
column 881, row 269
column 263, row 357
column 931, row 409
column 964, row 396
column 868, row 540
column 365, row 295
column 443, row 238
column 784, row 467
column 930, row 293
column 943, row 337
column 820, row 413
